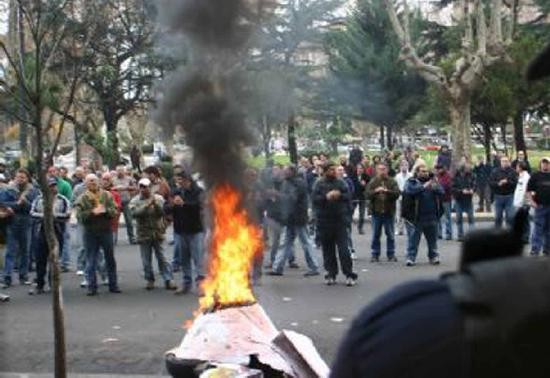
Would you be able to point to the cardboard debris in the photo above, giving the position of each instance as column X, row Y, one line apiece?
column 233, row 335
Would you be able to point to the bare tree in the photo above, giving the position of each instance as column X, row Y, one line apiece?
column 484, row 42
column 36, row 84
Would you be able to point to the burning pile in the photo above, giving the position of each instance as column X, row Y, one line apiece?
column 235, row 243
column 229, row 327
column 231, row 332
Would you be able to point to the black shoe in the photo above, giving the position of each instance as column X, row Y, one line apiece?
column 6, row 285
column 274, row 273
column 37, row 291
column 293, row 265
column 115, row 290
column 374, row 259
column 361, row 231
column 311, row 273
column 64, row 269
column 392, row 259
column 184, row 290
column 91, row 293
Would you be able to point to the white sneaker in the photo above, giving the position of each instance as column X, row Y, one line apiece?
column 350, row 281
column 84, row 284
column 410, row 262
column 79, row 272
column 353, row 256
column 435, row 261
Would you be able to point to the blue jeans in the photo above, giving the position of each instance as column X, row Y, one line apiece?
column 128, row 221
column 147, row 249
column 415, row 231
column 504, row 204
column 275, row 230
column 285, row 251
column 446, row 219
column 460, row 208
column 388, row 223
column 42, row 253
column 541, row 232
column 66, row 250
column 93, row 242
column 190, row 249
column 78, row 244
column 17, row 249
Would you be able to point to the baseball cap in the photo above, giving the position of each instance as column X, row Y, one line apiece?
column 144, row 182
column 52, row 181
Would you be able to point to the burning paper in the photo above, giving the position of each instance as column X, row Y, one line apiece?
column 245, row 336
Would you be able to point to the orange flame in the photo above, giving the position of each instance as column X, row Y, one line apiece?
column 235, row 243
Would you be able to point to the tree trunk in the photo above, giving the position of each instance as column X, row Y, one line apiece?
column 389, row 137
column 519, row 138
column 461, row 124
column 487, row 139
column 113, row 158
column 503, row 132
column 23, row 145
column 382, row 137
column 76, row 146
column 291, row 134
column 266, row 137
column 60, row 357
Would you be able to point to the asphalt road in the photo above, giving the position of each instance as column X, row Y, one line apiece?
column 128, row 333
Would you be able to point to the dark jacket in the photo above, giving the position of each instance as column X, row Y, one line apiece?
column 444, row 159
column 273, row 201
column 358, row 187
column 515, row 164
column 462, row 181
column 187, row 217
column 334, row 213
column 482, row 173
column 500, row 174
column 422, row 204
column 382, row 203
column 294, row 194
column 9, row 197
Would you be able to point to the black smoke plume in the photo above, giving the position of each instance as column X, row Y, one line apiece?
column 203, row 96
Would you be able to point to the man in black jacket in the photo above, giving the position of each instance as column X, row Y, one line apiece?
column 331, row 199
column 482, row 171
column 503, row 182
column 186, row 209
column 463, row 187
column 295, row 204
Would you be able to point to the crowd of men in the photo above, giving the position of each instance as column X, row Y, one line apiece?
column 315, row 202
